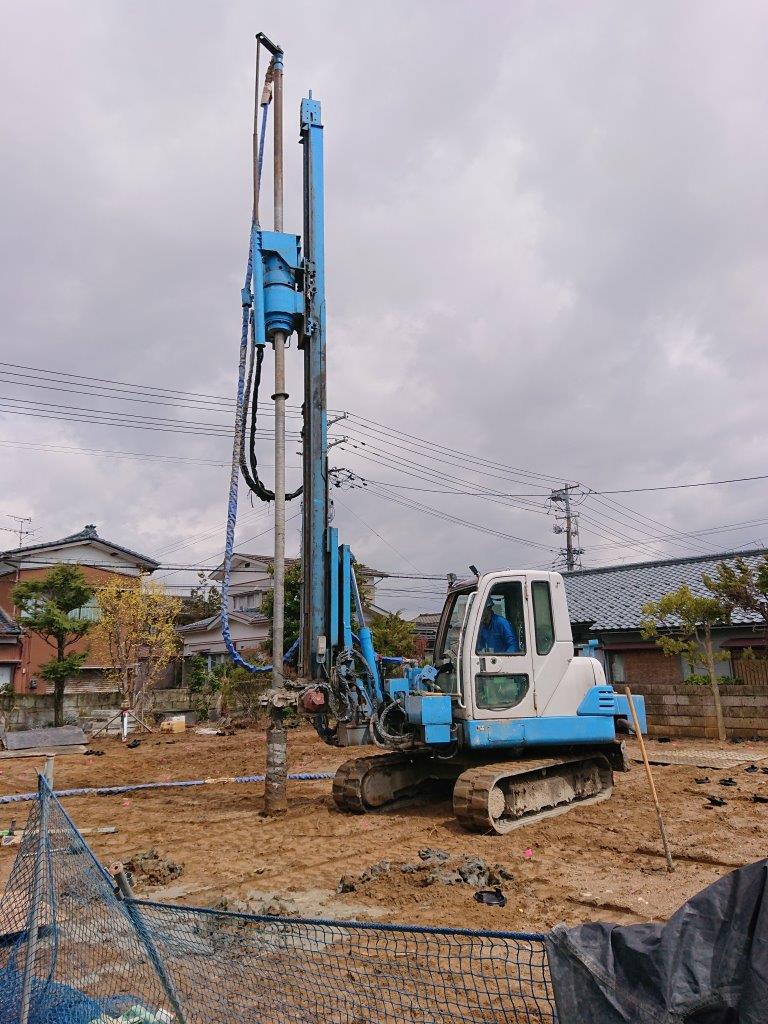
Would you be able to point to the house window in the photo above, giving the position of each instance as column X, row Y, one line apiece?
column 90, row 611
column 616, row 665
column 722, row 668
column 247, row 602
column 31, row 608
column 6, row 677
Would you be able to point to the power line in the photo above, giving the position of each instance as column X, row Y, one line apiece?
column 84, row 414
column 373, row 426
column 447, row 517
column 363, row 422
column 121, row 385
column 360, row 519
column 680, row 487
column 630, row 514
column 72, row 450
column 116, row 394
column 420, row 471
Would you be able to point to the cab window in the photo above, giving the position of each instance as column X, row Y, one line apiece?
column 495, row 692
column 502, row 623
column 447, row 648
column 542, row 617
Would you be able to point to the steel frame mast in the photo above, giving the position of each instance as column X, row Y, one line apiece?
column 315, row 596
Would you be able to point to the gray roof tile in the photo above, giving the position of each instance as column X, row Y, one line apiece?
column 8, row 625
column 612, row 598
column 88, row 532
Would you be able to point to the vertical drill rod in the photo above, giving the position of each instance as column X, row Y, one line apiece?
column 278, row 338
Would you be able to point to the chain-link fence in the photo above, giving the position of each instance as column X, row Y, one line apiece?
column 72, row 951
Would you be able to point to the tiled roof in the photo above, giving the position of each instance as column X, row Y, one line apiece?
column 7, row 625
column 88, row 533
column 613, row 597
column 427, row 619
column 202, row 624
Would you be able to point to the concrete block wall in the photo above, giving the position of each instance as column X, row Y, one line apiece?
column 34, row 711
column 683, row 709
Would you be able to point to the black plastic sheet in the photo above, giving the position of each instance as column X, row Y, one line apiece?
column 707, row 965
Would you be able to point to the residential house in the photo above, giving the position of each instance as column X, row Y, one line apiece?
column 605, row 605
column 21, row 652
column 426, row 624
column 10, row 650
column 250, row 627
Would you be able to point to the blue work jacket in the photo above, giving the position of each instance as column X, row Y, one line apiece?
column 498, row 637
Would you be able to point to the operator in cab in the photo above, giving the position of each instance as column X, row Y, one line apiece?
column 496, row 635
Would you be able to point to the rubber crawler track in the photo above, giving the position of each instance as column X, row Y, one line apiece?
column 472, row 794
column 350, row 778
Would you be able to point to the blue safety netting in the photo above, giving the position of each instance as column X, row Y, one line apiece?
column 75, row 953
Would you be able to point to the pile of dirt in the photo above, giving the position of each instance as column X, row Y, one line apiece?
column 149, row 868
column 434, row 867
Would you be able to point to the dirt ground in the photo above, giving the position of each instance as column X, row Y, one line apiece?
column 601, row 862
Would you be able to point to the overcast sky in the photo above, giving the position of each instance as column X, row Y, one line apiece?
column 547, row 247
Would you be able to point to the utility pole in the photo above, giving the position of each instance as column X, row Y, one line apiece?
column 567, row 522
column 275, row 795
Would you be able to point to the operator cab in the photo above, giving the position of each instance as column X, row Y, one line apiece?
column 504, row 639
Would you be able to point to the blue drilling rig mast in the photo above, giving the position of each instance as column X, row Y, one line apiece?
column 508, row 715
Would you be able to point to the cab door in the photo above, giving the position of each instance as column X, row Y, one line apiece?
column 497, row 652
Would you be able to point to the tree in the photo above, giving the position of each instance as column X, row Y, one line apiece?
column 737, row 585
column 366, row 583
column 138, row 623
column 203, row 602
column 47, row 607
column 687, row 620
column 393, row 635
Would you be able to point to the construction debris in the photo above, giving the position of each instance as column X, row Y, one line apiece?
column 44, row 739
column 491, row 897
column 13, row 838
column 149, row 868
column 435, row 867
column 74, row 748
column 178, row 723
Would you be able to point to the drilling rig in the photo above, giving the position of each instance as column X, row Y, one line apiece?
column 520, row 726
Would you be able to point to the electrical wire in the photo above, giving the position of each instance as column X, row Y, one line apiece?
column 447, row 517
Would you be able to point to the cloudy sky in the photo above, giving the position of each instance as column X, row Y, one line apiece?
column 547, row 245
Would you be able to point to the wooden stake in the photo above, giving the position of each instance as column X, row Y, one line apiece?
column 641, row 741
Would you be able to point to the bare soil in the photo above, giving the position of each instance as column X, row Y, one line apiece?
column 601, row 862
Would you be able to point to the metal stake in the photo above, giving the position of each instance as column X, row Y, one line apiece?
column 646, row 762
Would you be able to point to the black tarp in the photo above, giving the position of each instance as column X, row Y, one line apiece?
column 707, row 965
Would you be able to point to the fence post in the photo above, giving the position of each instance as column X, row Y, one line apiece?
column 33, row 922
